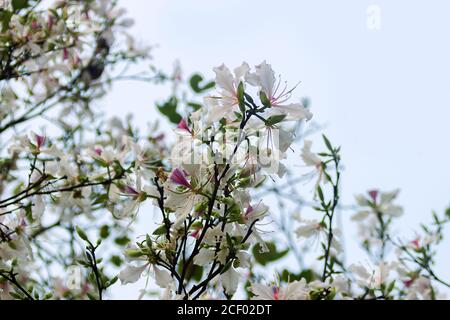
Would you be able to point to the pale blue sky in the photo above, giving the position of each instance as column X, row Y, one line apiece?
column 383, row 94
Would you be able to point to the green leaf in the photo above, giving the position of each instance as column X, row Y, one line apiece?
column 327, row 143
column 447, row 213
column 195, row 83
column 100, row 162
column 148, row 241
column 275, row 119
column 111, row 282
column 195, row 272
column 116, row 260
column 308, row 274
column 101, row 198
column 161, row 230
column 249, row 98
column 272, row 255
column 229, row 241
column 104, row 231
column 320, row 193
column 169, row 109
column 29, row 213
column 47, row 296
column 19, row 4
column 81, row 234
column 391, row 287
column 264, row 100
column 91, row 296
column 5, row 18
column 122, row 241
column 240, row 96
column 16, row 295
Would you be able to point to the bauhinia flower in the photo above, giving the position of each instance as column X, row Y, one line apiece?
column 183, row 195
column 377, row 203
column 313, row 160
column 224, row 105
column 33, row 144
column 132, row 274
column 296, row 290
column 373, row 277
column 310, row 158
column 277, row 97
column 311, row 229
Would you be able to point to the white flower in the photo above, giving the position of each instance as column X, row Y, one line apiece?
column 204, row 257
column 227, row 102
column 39, row 208
column 229, row 83
column 372, row 277
column 182, row 195
column 313, row 229
column 162, row 277
column 230, row 280
column 296, row 290
column 377, row 203
column 420, row 288
column 264, row 78
column 132, row 274
column 310, row 158
column 253, row 213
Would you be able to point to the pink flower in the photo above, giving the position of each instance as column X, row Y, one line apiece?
column 276, row 293
column 50, row 22
column 34, row 24
column 130, row 191
column 98, row 151
column 184, row 126
column 196, row 233
column 416, row 244
column 249, row 211
column 408, row 283
column 373, row 194
column 65, row 54
column 179, row 177
column 40, row 140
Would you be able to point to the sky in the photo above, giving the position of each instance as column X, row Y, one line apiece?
column 377, row 74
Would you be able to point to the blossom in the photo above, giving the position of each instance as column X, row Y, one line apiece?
column 309, row 158
column 179, row 177
column 224, row 104
column 133, row 193
column 183, row 127
column 183, row 195
column 264, row 78
column 253, row 213
column 310, row 228
column 229, row 83
column 419, row 288
column 296, row 290
column 373, row 277
column 377, row 203
column 230, row 280
column 132, row 273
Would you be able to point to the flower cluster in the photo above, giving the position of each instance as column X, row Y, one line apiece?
column 73, row 187
column 225, row 148
column 56, row 59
